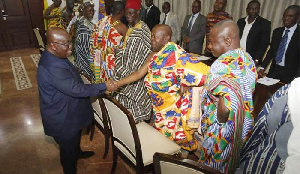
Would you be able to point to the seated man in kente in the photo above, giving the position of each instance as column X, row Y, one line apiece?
column 167, row 70
column 227, row 120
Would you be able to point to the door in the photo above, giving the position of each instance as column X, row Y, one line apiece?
column 15, row 25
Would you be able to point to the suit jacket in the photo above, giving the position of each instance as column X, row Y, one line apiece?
column 196, row 34
column 64, row 98
column 152, row 17
column 258, row 38
column 172, row 21
column 292, row 56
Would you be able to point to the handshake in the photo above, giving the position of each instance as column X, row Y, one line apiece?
column 112, row 85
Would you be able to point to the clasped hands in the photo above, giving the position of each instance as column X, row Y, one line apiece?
column 112, row 85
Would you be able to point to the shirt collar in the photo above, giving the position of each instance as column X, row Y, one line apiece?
column 292, row 29
column 196, row 15
column 246, row 20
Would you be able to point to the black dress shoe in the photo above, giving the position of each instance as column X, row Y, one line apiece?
column 86, row 154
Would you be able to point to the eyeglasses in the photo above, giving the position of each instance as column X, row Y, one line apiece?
column 65, row 44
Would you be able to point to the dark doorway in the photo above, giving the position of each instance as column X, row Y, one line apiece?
column 16, row 23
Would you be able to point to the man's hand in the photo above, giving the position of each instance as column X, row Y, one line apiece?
column 222, row 112
column 111, row 85
column 261, row 73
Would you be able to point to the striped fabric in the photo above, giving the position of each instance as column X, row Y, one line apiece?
column 129, row 59
column 220, row 138
column 82, row 49
column 260, row 154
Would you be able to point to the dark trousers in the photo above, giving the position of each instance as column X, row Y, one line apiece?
column 69, row 146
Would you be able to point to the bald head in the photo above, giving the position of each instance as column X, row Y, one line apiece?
column 58, row 42
column 224, row 37
column 55, row 34
column 227, row 28
column 161, row 35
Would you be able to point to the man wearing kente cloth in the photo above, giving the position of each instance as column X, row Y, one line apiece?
column 129, row 58
column 167, row 70
column 106, row 37
column 54, row 15
column 227, row 121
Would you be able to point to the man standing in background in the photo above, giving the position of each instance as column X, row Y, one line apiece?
column 254, row 32
column 193, row 30
column 152, row 14
column 170, row 19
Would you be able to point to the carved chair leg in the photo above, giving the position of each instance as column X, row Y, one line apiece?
column 115, row 158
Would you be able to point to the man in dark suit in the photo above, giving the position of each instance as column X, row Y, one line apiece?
column 254, row 32
column 284, row 48
column 193, row 29
column 64, row 99
column 152, row 14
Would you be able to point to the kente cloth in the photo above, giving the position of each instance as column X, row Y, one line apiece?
column 220, row 138
column 130, row 58
column 56, row 22
column 104, row 39
column 82, row 51
column 260, row 154
column 211, row 20
column 170, row 69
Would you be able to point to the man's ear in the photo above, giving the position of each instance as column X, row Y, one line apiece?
column 167, row 39
column 228, row 41
column 53, row 46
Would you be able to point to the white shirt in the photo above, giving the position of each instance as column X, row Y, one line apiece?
column 194, row 18
column 247, row 28
column 290, row 34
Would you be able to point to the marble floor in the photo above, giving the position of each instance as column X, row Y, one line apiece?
column 24, row 149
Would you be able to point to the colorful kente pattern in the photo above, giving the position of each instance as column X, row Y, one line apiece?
column 220, row 138
column 56, row 22
column 169, row 69
column 104, row 39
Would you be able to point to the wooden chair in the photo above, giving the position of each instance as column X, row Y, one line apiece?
column 39, row 39
column 100, row 117
column 136, row 142
column 170, row 164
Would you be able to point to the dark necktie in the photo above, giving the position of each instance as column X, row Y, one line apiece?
column 190, row 25
column 281, row 47
column 164, row 21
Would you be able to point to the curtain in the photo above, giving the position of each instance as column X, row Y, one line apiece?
column 272, row 10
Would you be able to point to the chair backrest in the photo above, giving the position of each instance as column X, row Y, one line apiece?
column 170, row 164
column 124, row 132
column 39, row 38
column 96, row 101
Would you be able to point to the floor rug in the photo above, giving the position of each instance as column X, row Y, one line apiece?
column 35, row 58
column 21, row 78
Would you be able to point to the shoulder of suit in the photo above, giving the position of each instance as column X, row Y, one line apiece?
column 261, row 19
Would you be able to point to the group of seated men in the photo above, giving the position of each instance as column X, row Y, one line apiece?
column 150, row 72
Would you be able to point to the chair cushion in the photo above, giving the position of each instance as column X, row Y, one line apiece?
column 153, row 141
